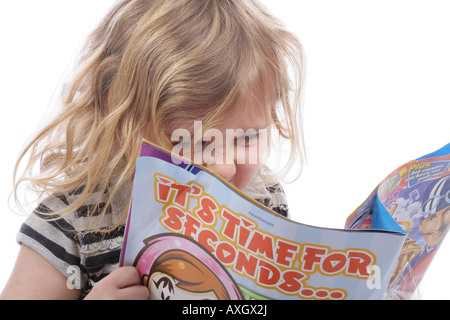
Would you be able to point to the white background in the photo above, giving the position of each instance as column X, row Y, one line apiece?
column 377, row 95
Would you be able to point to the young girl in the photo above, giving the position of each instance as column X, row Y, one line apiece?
column 149, row 68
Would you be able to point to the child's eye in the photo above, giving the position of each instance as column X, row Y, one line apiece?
column 247, row 140
column 201, row 144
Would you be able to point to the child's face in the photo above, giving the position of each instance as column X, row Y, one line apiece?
column 242, row 150
column 234, row 150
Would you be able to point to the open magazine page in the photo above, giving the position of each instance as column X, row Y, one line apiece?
column 416, row 197
column 192, row 235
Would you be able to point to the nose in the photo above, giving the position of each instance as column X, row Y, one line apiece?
column 226, row 171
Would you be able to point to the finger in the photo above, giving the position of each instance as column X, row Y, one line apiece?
column 136, row 292
column 125, row 277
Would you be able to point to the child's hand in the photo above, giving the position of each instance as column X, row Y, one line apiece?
column 121, row 284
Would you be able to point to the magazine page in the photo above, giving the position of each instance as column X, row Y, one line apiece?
column 416, row 197
column 191, row 235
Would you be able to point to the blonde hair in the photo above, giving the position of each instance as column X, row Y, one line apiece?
column 149, row 64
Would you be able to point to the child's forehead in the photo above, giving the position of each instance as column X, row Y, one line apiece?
column 252, row 107
column 246, row 117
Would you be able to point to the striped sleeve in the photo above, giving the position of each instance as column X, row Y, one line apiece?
column 55, row 240
column 67, row 242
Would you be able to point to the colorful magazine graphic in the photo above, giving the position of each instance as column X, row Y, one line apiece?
column 417, row 197
column 192, row 235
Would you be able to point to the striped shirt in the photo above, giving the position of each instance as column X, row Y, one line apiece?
column 85, row 257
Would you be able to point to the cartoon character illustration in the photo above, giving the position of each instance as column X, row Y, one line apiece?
column 174, row 267
column 434, row 225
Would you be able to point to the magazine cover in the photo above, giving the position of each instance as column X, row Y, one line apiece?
column 416, row 196
column 191, row 235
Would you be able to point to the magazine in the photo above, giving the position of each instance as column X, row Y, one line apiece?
column 192, row 235
column 416, row 197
